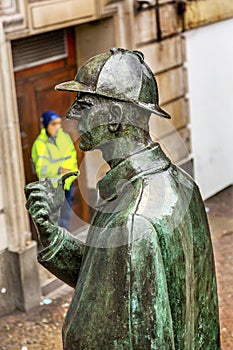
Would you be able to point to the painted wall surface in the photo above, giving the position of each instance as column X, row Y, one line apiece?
column 210, row 75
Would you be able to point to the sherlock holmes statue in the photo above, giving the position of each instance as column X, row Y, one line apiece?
column 145, row 279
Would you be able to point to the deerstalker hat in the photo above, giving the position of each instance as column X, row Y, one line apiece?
column 120, row 74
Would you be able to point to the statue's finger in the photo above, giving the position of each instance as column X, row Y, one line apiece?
column 40, row 215
column 40, row 197
column 33, row 208
column 34, row 187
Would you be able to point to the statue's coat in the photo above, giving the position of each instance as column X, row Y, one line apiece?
column 145, row 278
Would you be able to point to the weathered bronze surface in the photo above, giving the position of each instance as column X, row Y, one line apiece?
column 145, row 279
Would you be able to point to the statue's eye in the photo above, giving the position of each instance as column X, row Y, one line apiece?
column 82, row 104
column 85, row 104
column 88, row 103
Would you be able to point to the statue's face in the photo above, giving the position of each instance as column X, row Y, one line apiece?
column 92, row 114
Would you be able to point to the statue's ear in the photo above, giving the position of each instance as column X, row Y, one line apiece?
column 115, row 117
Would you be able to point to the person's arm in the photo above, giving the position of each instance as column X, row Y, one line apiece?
column 63, row 256
column 59, row 251
column 43, row 165
column 71, row 163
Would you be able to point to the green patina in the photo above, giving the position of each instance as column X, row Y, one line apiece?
column 145, row 278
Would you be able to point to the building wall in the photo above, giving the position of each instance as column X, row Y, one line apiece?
column 15, row 249
column 3, row 236
column 158, row 34
column 204, row 12
column 209, row 64
column 211, row 105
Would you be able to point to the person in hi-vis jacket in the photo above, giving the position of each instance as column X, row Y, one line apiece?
column 53, row 155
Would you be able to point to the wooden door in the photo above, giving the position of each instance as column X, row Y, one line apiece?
column 36, row 94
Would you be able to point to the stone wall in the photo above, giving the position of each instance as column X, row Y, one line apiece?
column 159, row 36
column 203, row 12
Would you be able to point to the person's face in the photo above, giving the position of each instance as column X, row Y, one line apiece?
column 53, row 127
column 92, row 114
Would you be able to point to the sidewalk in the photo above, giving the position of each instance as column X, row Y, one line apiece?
column 40, row 329
column 220, row 216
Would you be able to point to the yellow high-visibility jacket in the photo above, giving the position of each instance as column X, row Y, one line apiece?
column 50, row 155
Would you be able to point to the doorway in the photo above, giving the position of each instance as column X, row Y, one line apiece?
column 41, row 62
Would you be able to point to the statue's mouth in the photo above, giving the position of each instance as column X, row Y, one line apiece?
column 82, row 131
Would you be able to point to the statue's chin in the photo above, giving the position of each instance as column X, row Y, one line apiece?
column 84, row 147
column 85, row 144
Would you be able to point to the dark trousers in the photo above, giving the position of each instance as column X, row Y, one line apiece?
column 66, row 209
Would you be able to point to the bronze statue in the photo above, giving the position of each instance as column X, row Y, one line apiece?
column 145, row 279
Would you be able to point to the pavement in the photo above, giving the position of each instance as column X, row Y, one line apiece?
column 220, row 214
column 40, row 328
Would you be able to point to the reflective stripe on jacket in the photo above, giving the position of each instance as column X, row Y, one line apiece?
column 50, row 155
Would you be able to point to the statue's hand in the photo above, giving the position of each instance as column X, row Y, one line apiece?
column 43, row 204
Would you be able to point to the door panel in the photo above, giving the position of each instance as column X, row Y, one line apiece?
column 35, row 96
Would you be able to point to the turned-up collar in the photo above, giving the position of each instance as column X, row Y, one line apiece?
column 45, row 137
column 148, row 161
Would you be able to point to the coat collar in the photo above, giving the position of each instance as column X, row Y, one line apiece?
column 43, row 135
column 148, row 161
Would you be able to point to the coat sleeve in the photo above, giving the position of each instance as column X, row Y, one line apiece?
column 43, row 165
column 63, row 257
column 70, row 162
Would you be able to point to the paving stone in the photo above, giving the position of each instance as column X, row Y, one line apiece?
column 220, row 216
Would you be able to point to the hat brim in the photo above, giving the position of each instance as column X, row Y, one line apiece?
column 75, row 86
column 154, row 109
